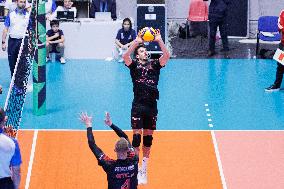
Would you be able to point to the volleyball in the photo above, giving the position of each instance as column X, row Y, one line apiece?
column 148, row 34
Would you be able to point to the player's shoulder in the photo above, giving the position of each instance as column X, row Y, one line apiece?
column 107, row 159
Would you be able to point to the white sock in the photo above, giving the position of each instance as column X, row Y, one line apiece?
column 144, row 164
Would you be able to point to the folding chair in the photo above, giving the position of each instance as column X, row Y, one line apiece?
column 198, row 18
column 268, row 31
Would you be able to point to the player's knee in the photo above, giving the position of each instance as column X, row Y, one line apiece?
column 136, row 140
column 147, row 140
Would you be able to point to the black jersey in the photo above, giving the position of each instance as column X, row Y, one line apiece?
column 121, row 174
column 145, row 79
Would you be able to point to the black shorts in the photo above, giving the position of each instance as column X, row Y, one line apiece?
column 6, row 183
column 143, row 117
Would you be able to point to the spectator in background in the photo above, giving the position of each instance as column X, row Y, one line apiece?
column 11, row 5
column 10, row 158
column 124, row 37
column 50, row 7
column 103, row 6
column 218, row 12
column 55, row 41
column 67, row 6
column 280, row 68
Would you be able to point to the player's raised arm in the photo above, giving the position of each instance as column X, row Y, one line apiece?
column 116, row 129
column 166, row 55
column 127, row 56
column 91, row 140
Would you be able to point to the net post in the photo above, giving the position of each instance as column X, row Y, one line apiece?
column 39, row 64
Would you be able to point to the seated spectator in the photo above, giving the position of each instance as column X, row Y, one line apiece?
column 103, row 6
column 124, row 37
column 50, row 7
column 11, row 5
column 55, row 41
column 67, row 7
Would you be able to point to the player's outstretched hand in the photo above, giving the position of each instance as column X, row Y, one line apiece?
column 139, row 37
column 87, row 120
column 158, row 36
column 108, row 121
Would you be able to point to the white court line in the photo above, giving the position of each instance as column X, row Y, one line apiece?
column 219, row 160
column 183, row 130
column 31, row 160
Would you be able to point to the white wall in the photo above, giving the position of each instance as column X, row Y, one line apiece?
column 263, row 8
column 178, row 10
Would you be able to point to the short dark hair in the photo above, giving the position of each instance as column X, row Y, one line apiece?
column 141, row 45
column 2, row 115
column 127, row 20
column 54, row 22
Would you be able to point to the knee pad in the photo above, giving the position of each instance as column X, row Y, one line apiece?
column 147, row 140
column 136, row 140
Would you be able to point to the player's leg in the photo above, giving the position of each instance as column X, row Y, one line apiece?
column 136, row 124
column 149, row 125
column 136, row 141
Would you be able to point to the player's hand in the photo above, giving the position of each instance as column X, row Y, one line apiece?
column 4, row 46
column 108, row 121
column 158, row 36
column 87, row 120
column 139, row 37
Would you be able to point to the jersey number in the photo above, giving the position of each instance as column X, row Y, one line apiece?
column 126, row 185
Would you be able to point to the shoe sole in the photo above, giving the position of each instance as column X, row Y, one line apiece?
column 271, row 90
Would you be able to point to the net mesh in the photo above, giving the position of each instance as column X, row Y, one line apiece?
column 18, row 87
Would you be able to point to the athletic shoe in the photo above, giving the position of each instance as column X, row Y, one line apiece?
column 120, row 60
column 272, row 88
column 139, row 176
column 143, row 177
column 62, row 60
